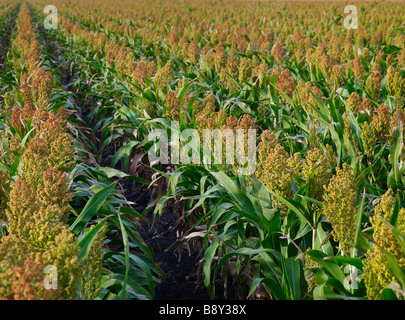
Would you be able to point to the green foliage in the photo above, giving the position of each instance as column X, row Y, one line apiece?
column 328, row 106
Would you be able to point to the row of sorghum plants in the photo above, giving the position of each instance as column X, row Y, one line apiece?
column 331, row 60
column 311, row 61
column 339, row 195
column 35, row 193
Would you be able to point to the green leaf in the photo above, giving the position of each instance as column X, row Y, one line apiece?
column 26, row 137
column 295, row 207
column 86, row 242
column 111, row 172
column 123, row 292
column 240, row 198
column 149, row 95
column 123, row 151
column 358, row 218
column 183, row 92
column 396, row 269
column 293, row 269
column 274, row 288
column 357, row 262
column 321, row 292
column 395, row 212
column 254, row 285
column 4, row 168
column 322, row 241
column 330, row 267
column 208, row 257
column 395, row 152
column 388, row 294
column 91, row 208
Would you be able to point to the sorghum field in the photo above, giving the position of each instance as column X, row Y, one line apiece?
column 107, row 193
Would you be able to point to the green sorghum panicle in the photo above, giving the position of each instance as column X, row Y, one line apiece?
column 340, row 207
